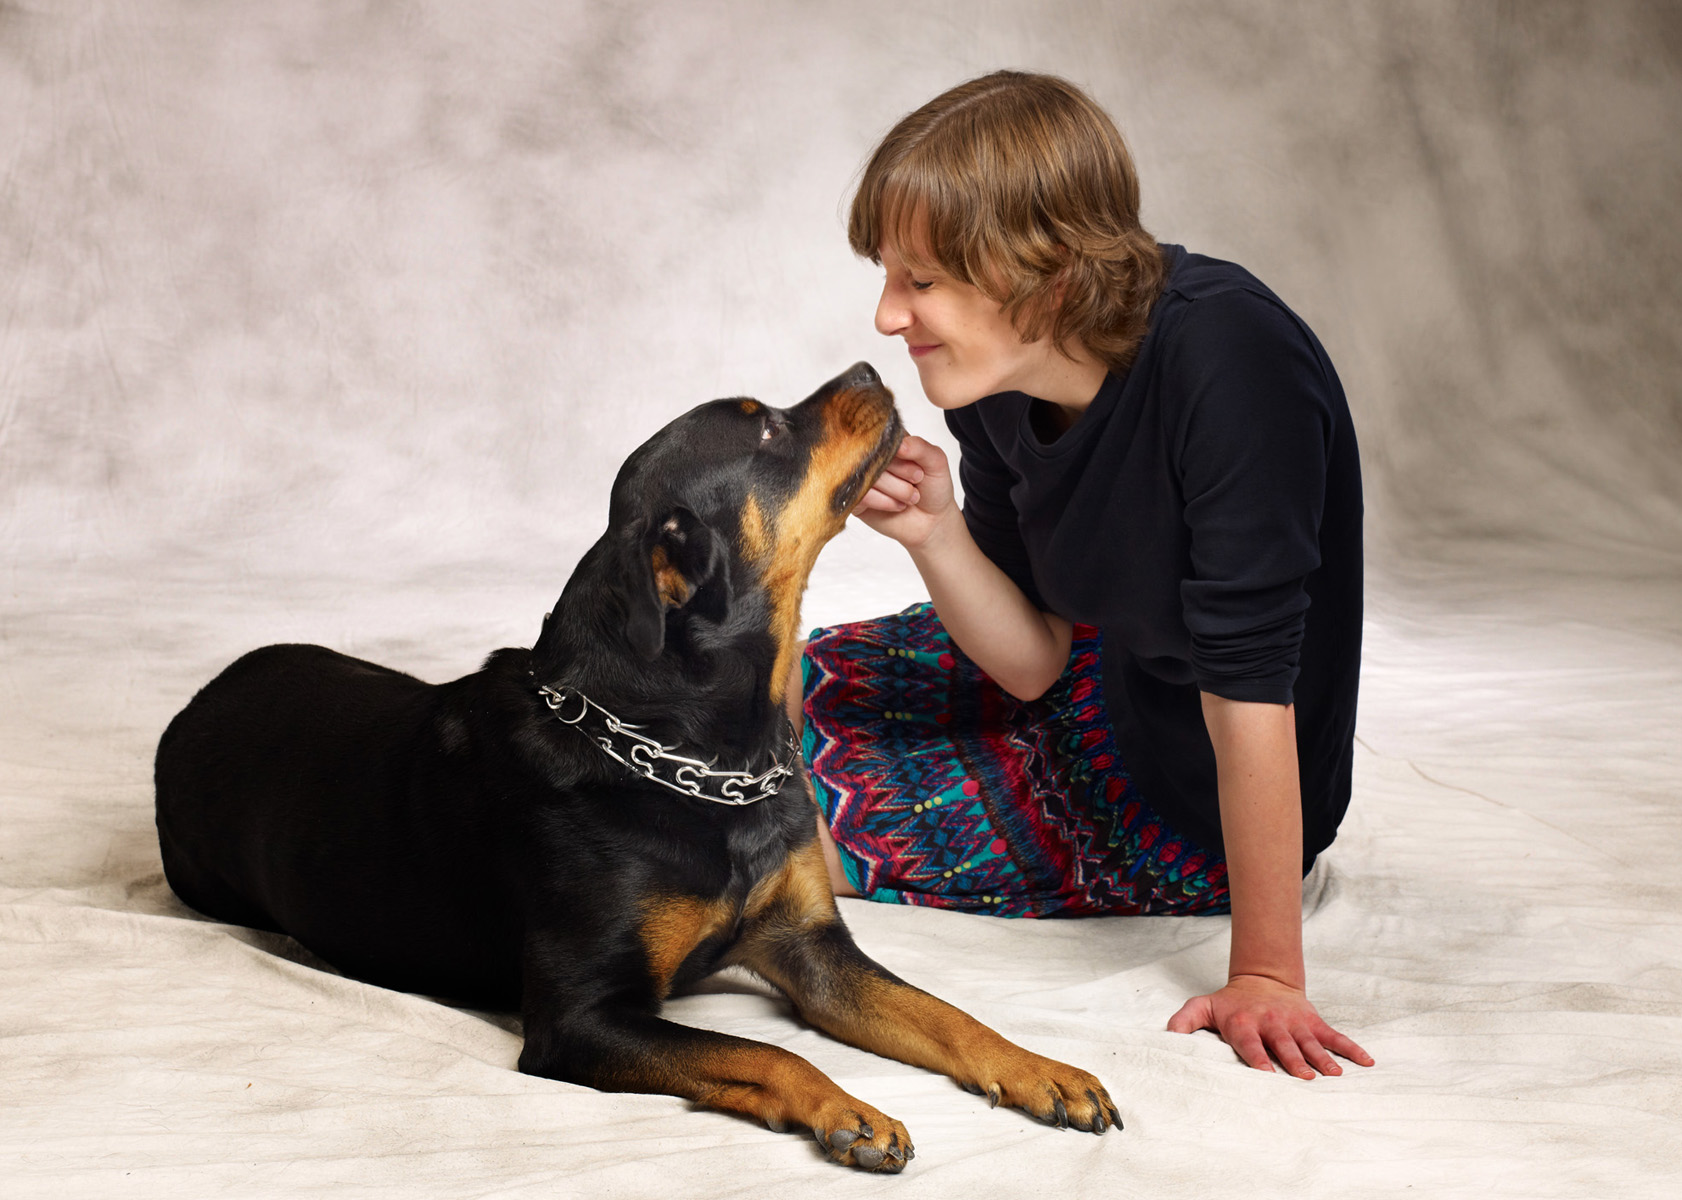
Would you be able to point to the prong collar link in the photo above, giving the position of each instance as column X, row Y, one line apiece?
column 643, row 755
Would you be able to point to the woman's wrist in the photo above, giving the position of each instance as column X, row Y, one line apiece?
column 1267, row 934
column 947, row 535
column 1283, row 976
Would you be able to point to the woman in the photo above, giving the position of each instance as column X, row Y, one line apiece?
column 1135, row 689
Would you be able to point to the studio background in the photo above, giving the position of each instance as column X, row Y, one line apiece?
column 412, row 278
column 332, row 322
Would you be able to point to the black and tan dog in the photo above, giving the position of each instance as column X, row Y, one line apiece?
column 579, row 828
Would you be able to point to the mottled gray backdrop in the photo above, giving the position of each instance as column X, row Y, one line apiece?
column 333, row 281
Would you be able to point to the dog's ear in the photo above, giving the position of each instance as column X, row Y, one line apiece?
column 670, row 563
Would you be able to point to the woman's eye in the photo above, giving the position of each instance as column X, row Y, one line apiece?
column 922, row 285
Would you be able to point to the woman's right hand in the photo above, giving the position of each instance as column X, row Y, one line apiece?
column 912, row 497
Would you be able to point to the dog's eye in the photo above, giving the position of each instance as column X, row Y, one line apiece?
column 768, row 431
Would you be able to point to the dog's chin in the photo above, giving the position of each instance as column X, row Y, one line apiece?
column 853, row 488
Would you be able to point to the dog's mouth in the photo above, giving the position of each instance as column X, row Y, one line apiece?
column 852, row 489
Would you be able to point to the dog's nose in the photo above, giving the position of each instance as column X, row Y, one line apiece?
column 859, row 375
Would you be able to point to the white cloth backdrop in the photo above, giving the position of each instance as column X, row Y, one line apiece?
column 332, row 324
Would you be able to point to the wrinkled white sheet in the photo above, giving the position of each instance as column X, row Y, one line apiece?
column 1498, row 924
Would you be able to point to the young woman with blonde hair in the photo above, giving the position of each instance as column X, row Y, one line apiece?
column 1134, row 690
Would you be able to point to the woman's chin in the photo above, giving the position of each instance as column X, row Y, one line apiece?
column 942, row 393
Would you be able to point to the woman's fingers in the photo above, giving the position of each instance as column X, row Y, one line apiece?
column 1304, row 1051
column 883, row 500
column 1248, row 1045
column 896, row 486
column 925, row 455
column 875, row 501
column 1244, row 1037
column 1317, row 1055
column 1283, row 1043
column 895, row 489
column 1196, row 1013
column 1264, row 1024
column 906, row 465
column 1338, row 1044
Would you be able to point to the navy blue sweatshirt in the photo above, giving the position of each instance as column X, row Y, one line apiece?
column 1205, row 514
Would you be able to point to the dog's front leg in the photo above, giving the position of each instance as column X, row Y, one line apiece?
column 627, row 1050
column 795, row 939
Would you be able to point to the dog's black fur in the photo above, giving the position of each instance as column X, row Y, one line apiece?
column 458, row 840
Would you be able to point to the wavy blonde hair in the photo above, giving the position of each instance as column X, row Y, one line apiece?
column 1021, row 186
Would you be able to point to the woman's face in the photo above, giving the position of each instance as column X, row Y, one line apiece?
column 964, row 346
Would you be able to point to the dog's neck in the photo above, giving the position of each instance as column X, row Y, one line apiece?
column 709, row 694
column 685, row 774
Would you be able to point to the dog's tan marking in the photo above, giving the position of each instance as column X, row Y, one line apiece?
column 755, row 541
column 844, row 994
column 800, row 890
column 769, row 1084
column 765, row 1082
column 672, row 926
column 668, row 580
column 749, row 406
column 853, row 426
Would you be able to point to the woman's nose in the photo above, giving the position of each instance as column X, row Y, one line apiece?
column 892, row 316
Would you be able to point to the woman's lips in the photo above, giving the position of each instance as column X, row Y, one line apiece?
column 919, row 351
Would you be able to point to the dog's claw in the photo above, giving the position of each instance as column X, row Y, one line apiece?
column 1055, row 1093
column 851, row 1140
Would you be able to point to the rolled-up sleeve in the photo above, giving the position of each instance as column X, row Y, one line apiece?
column 1251, row 455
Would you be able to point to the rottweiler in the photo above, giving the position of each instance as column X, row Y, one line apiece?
column 578, row 829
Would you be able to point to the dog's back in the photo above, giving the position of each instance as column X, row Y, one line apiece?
column 298, row 773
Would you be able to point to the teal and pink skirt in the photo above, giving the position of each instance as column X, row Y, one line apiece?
column 942, row 789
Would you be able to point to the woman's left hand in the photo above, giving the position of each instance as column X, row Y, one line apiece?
column 1254, row 1015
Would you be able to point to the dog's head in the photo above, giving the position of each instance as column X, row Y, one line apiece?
column 715, row 521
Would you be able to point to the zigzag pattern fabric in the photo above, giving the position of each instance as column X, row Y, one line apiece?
column 942, row 789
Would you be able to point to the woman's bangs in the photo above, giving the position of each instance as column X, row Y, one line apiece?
column 907, row 209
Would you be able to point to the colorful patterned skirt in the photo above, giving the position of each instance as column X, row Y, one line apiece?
column 942, row 789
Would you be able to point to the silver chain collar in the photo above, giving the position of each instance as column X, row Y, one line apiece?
column 636, row 751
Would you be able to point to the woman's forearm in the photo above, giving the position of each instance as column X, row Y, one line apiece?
column 1263, row 1011
column 1023, row 649
column 986, row 615
column 1261, row 823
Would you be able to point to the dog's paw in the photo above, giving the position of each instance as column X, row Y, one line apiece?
column 856, row 1135
column 1049, row 1091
